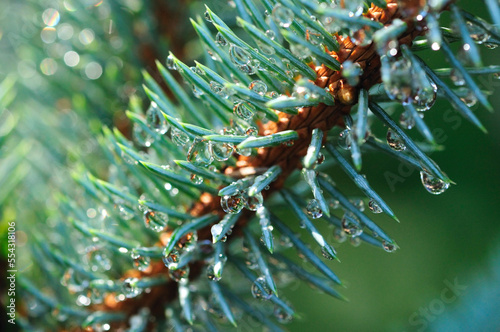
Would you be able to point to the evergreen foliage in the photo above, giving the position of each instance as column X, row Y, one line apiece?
column 175, row 213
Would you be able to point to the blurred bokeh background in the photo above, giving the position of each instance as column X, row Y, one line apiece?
column 73, row 70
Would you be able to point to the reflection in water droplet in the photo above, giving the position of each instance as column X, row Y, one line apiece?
column 432, row 184
column 200, row 153
column 155, row 119
column 196, row 179
column 253, row 203
column 282, row 15
column 355, row 241
column 179, row 137
column 258, row 87
column 141, row 263
column 155, row 220
column 313, row 209
column 281, row 315
column 244, row 111
column 239, row 56
column 220, row 40
column 232, row 204
column 171, row 63
column 207, row 16
column 425, row 97
column 339, row 235
column 222, row 151
column 351, row 226
column 179, row 274
column 218, row 89
column 407, row 120
column 211, row 274
column 394, row 141
column 260, row 289
column 326, row 253
column 389, row 247
column 374, row 207
column 130, row 289
column 172, row 259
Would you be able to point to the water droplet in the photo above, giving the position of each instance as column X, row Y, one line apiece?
column 171, row 63
column 232, row 204
column 362, row 37
column 394, row 141
column 432, row 184
column 220, row 40
column 196, row 179
column 197, row 92
column 407, row 120
column 326, row 254
column 270, row 34
column 179, row 137
column 389, row 247
column 359, row 204
column 179, row 274
column 333, row 204
column 222, row 151
column 141, row 136
column 239, row 56
column 281, row 315
column 344, row 140
column 350, row 226
column 199, row 153
column 98, row 260
column 314, row 37
column 469, row 98
column 261, row 290
column 285, row 241
column 258, row 87
column 155, row 220
column 355, row 241
column 339, row 235
column 207, row 16
column 253, row 203
column 211, row 275
column 374, row 207
column 141, row 263
column 425, row 97
column 218, row 89
column 172, row 259
column 248, row 69
column 130, row 289
column 313, row 209
column 252, row 131
column 244, row 111
column 216, row 231
column 457, row 78
column 282, row 15
column 244, row 152
column 398, row 79
column 155, row 119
